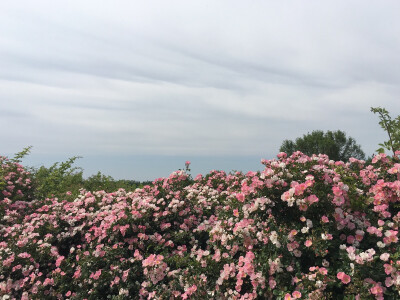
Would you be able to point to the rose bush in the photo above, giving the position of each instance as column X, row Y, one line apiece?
column 16, row 189
column 303, row 228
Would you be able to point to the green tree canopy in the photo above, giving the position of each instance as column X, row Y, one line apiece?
column 335, row 144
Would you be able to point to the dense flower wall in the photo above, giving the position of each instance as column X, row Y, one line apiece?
column 303, row 228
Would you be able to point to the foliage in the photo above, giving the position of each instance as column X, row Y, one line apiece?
column 20, row 155
column 58, row 179
column 62, row 178
column 335, row 144
column 304, row 227
column 392, row 128
column 100, row 182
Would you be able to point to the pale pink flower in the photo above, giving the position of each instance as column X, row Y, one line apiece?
column 388, row 269
column 346, row 279
column 376, row 289
column 77, row 274
column 240, row 197
column 385, row 256
column 272, row 283
column 296, row 294
column 340, row 275
column 59, row 260
column 288, row 297
column 96, row 275
column 343, row 277
column 125, row 275
column 388, row 281
column 282, row 155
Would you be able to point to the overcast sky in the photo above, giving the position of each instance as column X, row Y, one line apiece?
column 138, row 87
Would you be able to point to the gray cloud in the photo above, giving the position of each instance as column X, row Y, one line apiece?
column 194, row 77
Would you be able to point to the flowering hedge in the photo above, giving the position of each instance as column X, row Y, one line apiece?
column 303, row 228
column 16, row 189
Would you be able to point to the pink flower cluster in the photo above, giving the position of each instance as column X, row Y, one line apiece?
column 303, row 228
column 16, row 190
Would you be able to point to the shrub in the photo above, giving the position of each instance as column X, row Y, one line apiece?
column 16, row 188
column 58, row 179
column 304, row 227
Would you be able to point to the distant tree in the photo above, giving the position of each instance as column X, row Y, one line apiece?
column 100, row 181
column 392, row 128
column 335, row 144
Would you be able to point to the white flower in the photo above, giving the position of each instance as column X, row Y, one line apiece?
column 274, row 237
column 352, row 269
column 290, row 201
column 305, row 229
column 325, row 263
column 352, row 256
column 318, row 283
column 380, row 244
column 371, row 251
column 309, row 223
column 123, row 292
